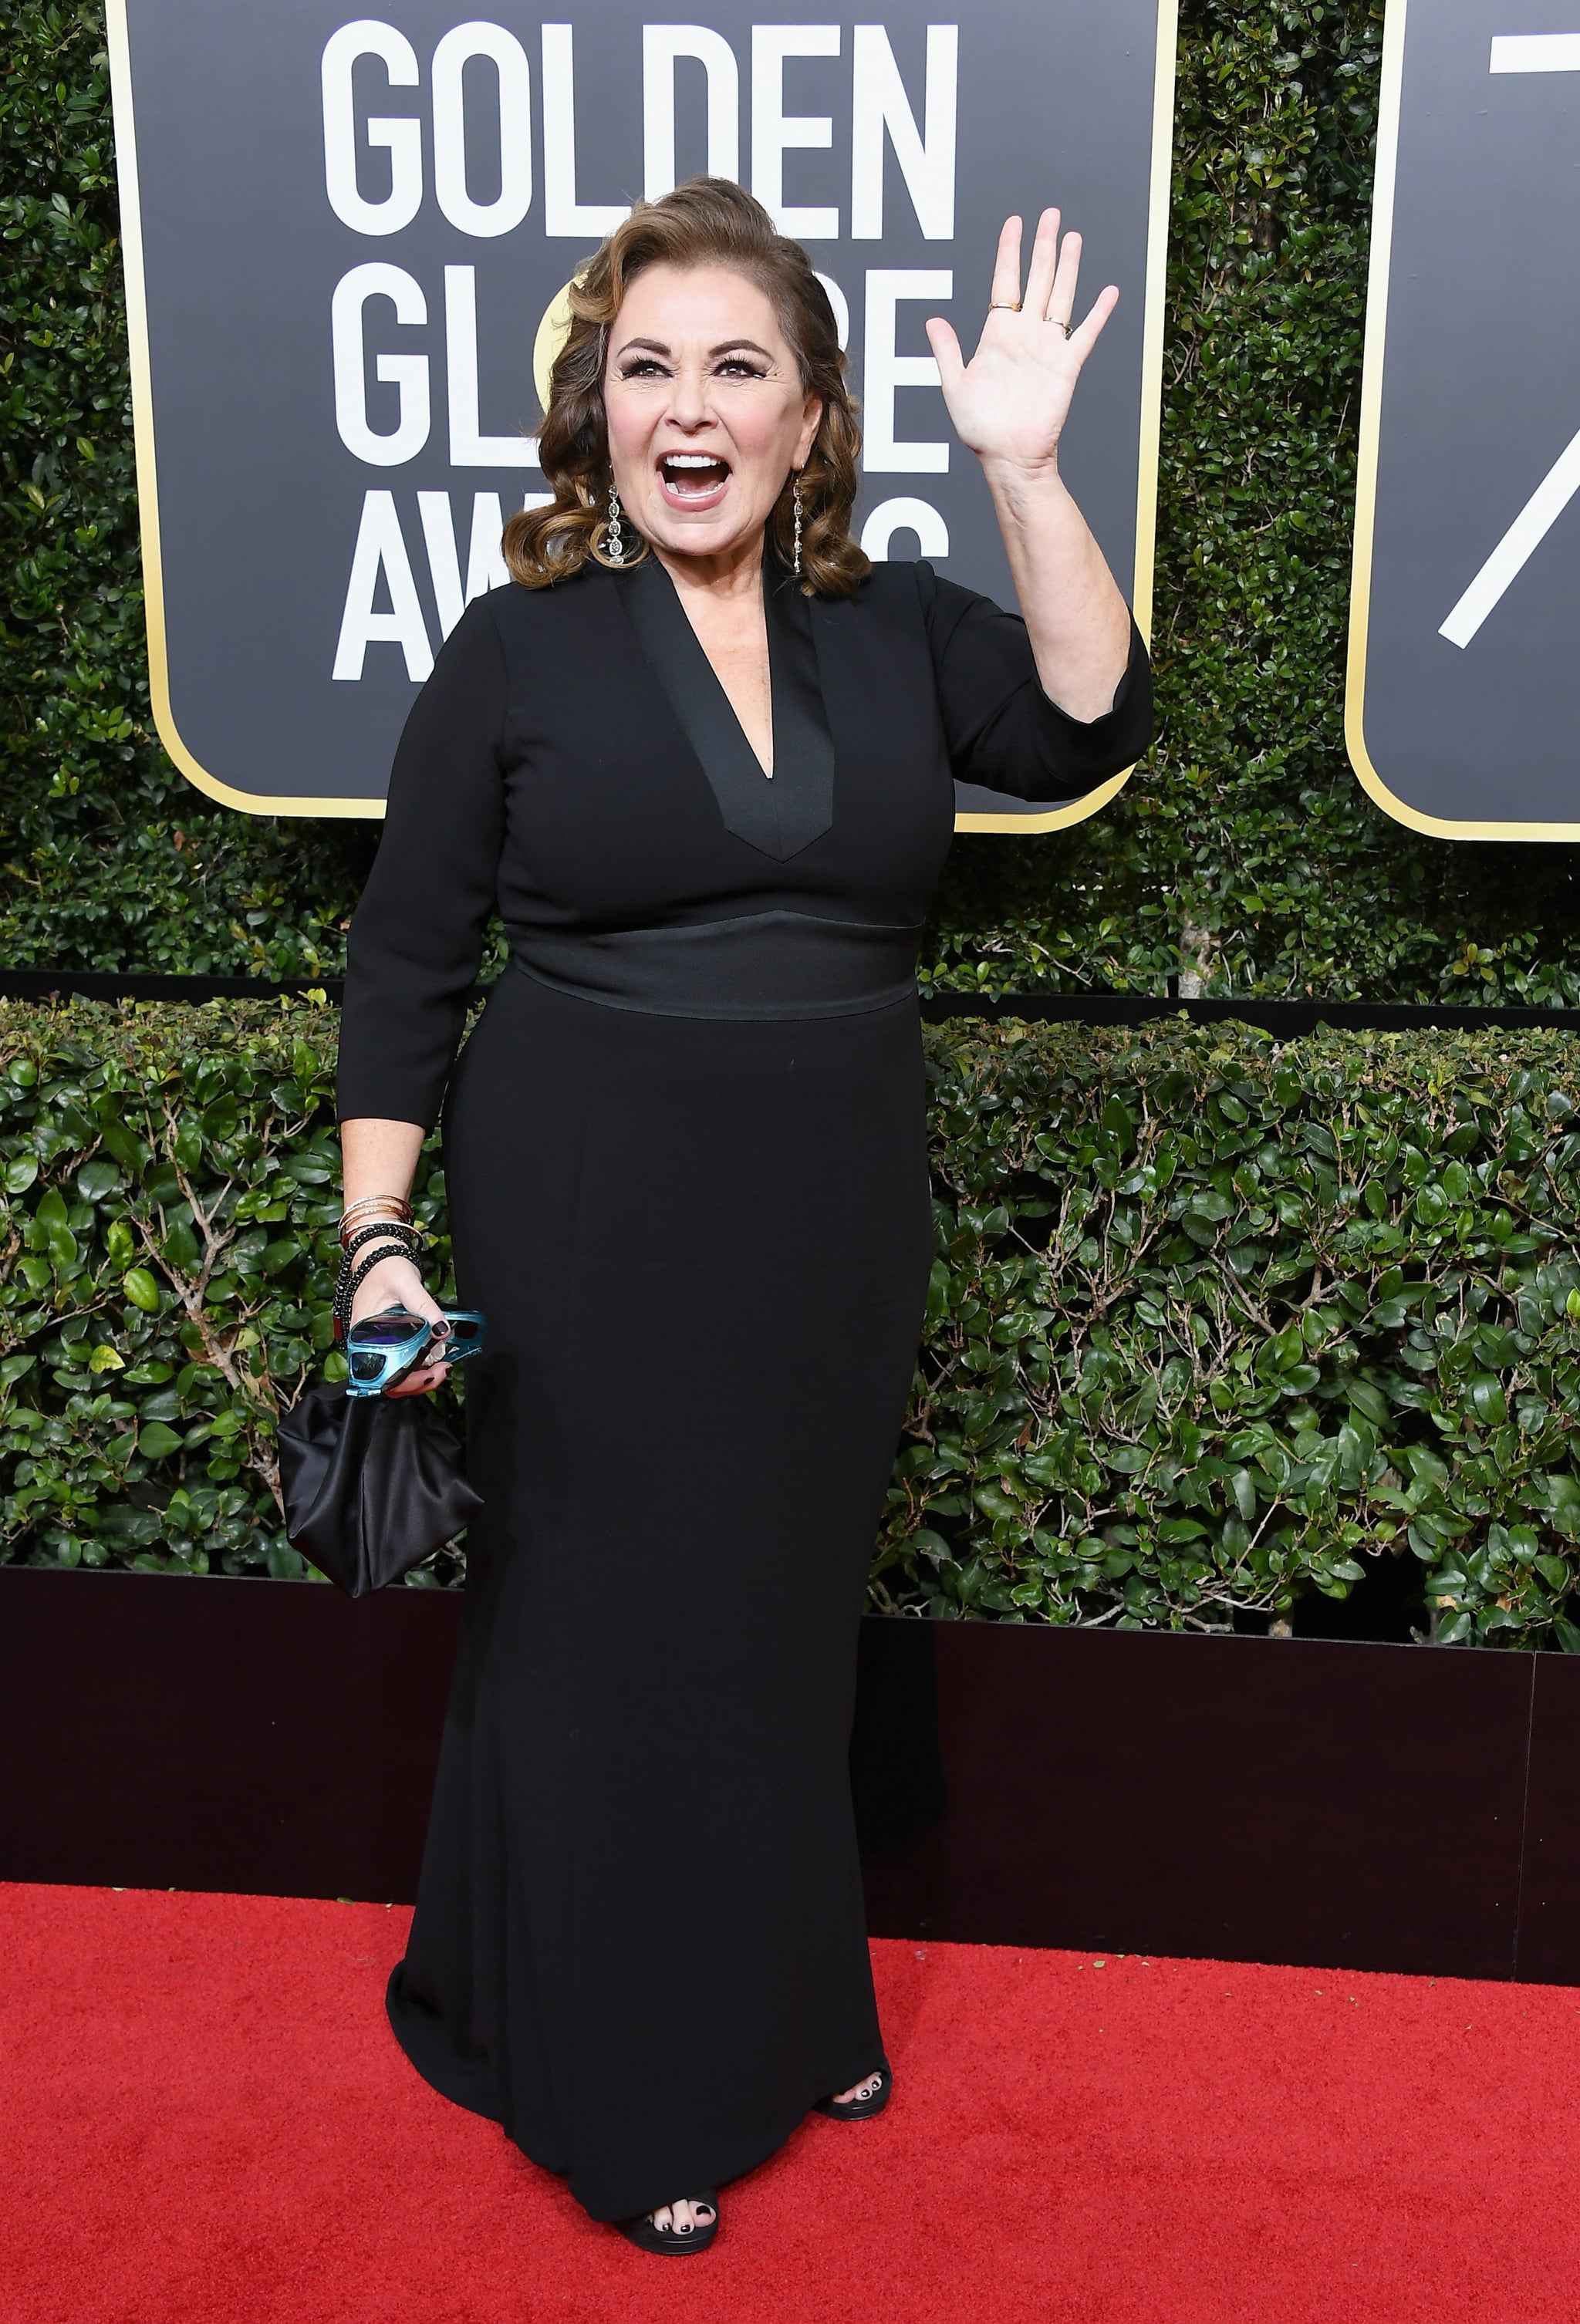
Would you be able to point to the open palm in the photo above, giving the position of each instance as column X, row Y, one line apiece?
column 1009, row 402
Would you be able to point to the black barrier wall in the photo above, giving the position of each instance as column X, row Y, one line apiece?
column 1354, row 1806
column 1284, row 1019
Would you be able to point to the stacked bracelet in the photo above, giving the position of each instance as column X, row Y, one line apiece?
column 350, row 1244
column 391, row 1210
column 362, row 1249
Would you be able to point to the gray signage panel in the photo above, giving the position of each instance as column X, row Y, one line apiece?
column 346, row 240
column 1464, row 699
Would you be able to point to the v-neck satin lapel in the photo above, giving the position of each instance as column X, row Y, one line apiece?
column 777, row 814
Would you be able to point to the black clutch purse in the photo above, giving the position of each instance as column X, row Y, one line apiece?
column 372, row 1484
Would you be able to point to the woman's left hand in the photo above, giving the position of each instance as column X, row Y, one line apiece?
column 1009, row 402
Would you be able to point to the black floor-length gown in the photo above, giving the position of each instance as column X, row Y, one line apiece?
column 687, row 1175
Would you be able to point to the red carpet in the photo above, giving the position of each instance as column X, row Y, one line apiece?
column 202, row 2119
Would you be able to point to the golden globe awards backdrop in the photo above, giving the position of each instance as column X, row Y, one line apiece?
column 1463, row 698
column 347, row 241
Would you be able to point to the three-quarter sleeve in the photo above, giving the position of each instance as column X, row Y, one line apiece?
column 1002, row 729
column 416, row 937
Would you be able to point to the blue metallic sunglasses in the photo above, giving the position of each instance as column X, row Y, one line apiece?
column 381, row 1349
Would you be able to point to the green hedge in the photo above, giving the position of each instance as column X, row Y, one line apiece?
column 1216, row 1322
column 1245, row 854
column 172, row 1184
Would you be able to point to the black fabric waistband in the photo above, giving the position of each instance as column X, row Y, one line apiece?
column 767, row 964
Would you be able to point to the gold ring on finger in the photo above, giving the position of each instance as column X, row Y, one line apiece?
column 1003, row 305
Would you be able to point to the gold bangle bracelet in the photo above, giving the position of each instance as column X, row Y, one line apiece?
column 396, row 1227
column 397, row 1202
column 386, row 1208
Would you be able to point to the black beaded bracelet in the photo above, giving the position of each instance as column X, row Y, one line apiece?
column 387, row 1228
column 392, row 1240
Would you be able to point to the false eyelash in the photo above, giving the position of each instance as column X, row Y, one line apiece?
column 648, row 367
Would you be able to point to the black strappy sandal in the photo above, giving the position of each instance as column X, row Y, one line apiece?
column 859, row 2109
column 673, row 2243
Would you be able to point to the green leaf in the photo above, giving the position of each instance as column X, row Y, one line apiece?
column 1369, row 1400
column 138, row 1285
column 120, row 1141
column 1209, row 1204
column 97, row 1179
column 221, row 1119
column 156, row 1440
column 181, row 1249
column 1118, row 1122
column 1488, row 1401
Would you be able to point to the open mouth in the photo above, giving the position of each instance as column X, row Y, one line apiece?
column 693, row 479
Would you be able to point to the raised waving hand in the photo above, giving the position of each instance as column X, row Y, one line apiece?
column 1010, row 401
column 1009, row 405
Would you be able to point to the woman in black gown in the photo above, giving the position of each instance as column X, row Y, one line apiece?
column 701, row 763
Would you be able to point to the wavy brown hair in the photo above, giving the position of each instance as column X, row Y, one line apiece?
column 707, row 222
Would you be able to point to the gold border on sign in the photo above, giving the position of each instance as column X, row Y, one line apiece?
column 249, row 802
column 256, row 803
column 1060, row 817
column 1436, row 827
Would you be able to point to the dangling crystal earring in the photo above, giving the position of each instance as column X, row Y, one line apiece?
column 795, row 501
column 615, row 544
